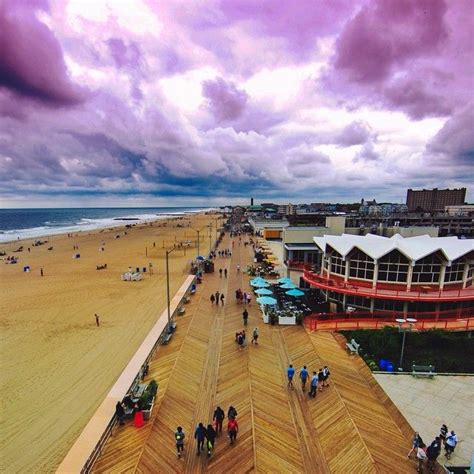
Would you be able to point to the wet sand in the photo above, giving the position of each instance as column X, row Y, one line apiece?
column 56, row 364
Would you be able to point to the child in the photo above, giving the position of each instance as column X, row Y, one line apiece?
column 179, row 436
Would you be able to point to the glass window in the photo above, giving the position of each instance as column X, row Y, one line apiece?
column 393, row 267
column 426, row 270
column 337, row 264
column 455, row 271
column 361, row 266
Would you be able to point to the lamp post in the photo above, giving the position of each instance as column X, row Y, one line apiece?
column 404, row 329
column 210, row 237
column 168, row 284
column 199, row 238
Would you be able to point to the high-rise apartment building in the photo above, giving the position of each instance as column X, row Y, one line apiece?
column 434, row 199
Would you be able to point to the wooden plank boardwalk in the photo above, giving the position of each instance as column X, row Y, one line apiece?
column 351, row 426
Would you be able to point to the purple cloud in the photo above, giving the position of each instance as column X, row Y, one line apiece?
column 224, row 100
column 356, row 133
column 31, row 59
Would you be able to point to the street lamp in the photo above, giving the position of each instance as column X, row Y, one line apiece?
column 404, row 329
column 168, row 284
column 199, row 239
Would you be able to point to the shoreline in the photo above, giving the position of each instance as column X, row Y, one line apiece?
column 59, row 363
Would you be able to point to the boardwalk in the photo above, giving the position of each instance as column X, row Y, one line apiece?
column 350, row 427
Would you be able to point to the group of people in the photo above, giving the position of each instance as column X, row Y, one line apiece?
column 430, row 453
column 318, row 379
column 216, row 297
column 243, row 297
column 224, row 253
column 208, row 434
column 225, row 272
column 240, row 337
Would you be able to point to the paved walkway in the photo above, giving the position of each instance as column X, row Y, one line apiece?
column 349, row 427
column 428, row 403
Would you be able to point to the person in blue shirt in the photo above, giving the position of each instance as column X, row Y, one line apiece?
column 290, row 373
column 304, row 374
column 200, row 434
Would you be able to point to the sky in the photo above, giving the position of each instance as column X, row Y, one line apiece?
column 211, row 102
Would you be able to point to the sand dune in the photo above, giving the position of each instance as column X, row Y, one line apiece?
column 56, row 364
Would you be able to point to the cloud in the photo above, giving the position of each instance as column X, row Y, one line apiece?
column 356, row 133
column 224, row 100
column 31, row 59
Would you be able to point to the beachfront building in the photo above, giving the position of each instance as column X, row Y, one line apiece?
column 407, row 275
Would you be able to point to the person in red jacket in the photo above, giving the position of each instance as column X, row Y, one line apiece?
column 232, row 429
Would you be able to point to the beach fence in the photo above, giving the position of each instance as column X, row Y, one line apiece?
column 88, row 447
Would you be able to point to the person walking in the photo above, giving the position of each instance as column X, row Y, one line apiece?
column 244, row 298
column 314, row 385
column 245, row 316
column 220, row 272
column 225, row 272
column 199, row 435
column 240, row 340
column 249, row 298
column 97, row 320
column 213, row 298
column 41, row 272
column 320, row 379
column 231, row 412
column 304, row 374
column 232, row 429
column 179, row 437
column 255, row 336
column 120, row 413
column 451, row 442
column 416, row 442
column 218, row 418
column 443, row 432
column 326, row 374
column 420, row 457
column 211, row 439
column 432, row 453
column 217, row 297
column 290, row 372
column 238, row 268
column 222, row 299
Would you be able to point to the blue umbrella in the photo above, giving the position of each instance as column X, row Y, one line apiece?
column 263, row 291
column 200, row 257
column 295, row 292
column 288, row 286
column 260, row 284
column 257, row 280
column 284, row 280
column 266, row 300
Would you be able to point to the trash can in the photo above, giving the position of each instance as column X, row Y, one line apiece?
column 383, row 364
column 390, row 367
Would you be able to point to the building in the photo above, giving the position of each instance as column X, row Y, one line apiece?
column 465, row 210
column 434, row 199
column 406, row 275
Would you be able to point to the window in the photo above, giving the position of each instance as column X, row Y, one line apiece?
column 337, row 264
column 426, row 270
column 393, row 267
column 358, row 301
column 388, row 305
column 455, row 271
column 361, row 266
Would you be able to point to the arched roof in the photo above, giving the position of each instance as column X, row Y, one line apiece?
column 414, row 248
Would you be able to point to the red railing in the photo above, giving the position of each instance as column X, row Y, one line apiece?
column 372, row 323
column 353, row 287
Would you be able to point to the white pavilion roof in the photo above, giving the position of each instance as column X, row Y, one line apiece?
column 414, row 248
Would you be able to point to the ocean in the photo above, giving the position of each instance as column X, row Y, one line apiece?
column 30, row 223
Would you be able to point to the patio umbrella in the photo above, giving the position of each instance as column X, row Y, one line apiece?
column 257, row 280
column 266, row 300
column 288, row 286
column 263, row 291
column 261, row 284
column 284, row 280
column 295, row 292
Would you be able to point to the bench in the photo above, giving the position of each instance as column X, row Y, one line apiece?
column 167, row 337
column 139, row 389
column 422, row 371
column 181, row 310
column 353, row 347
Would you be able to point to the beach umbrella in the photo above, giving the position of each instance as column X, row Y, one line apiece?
column 200, row 258
column 257, row 280
column 288, row 286
column 285, row 280
column 263, row 291
column 261, row 284
column 266, row 300
column 295, row 292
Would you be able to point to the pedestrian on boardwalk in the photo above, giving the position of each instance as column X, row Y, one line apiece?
column 232, row 429
column 255, row 336
column 237, row 295
column 290, row 372
column 245, row 316
column 225, row 272
column 218, row 418
column 220, row 272
column 222, row 299
column 326, row 374
column 238, row 268
column 217, row 297
column 231, row 412
column 179, row 437
column 314, row 385
column 433, row 452
column 443, row 432
column 321, row 379
column 97, row 320
column 451, row 442
column 200, row 434
column 240, row 340
column 211, row 439
column 244, row 337
column 244, row 298
column 420, row 456
column 304, row 374
column 249, row 298
column 120, row 413
column 416, row 442
column 213, row 298
column 41, row 272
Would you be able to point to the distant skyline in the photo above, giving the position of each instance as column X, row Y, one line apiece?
column 211, row 102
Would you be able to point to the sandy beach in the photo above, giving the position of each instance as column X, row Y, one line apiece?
column 56, row 364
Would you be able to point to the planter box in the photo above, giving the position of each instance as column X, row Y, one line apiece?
column 265, row 318
column 147, row 413
column 287, row 320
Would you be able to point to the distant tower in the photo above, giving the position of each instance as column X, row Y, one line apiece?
column 251, row 201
